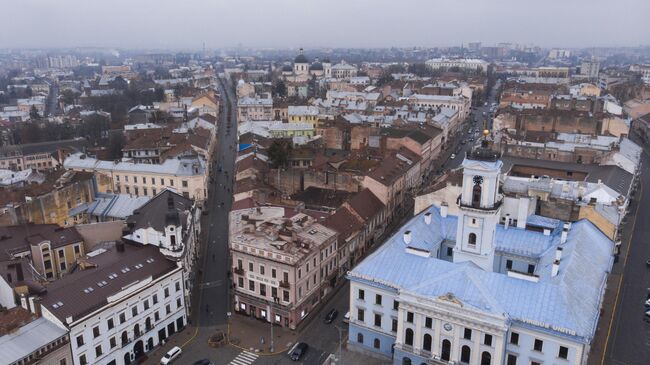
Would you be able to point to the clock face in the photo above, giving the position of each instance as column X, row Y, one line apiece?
column 447, row 327
column 478, row 180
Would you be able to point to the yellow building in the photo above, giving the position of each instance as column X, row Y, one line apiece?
column 304, row 114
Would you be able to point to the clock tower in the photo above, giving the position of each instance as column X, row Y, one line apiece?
column 479, row 208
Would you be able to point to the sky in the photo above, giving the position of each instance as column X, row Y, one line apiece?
column 187, row 24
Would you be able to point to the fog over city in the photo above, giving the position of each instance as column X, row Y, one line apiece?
column 334, row 23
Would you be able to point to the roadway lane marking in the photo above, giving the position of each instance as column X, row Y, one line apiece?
column 244, row 358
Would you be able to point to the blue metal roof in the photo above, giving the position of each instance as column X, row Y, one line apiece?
column 567, row 304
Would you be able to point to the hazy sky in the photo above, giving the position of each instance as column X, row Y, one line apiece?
column 324, row 23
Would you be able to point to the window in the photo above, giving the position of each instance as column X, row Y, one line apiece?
column 487, row 340
column 240, row 282
column 426, row 342
column 122, row 318
column 61, row 254
column 95, row 331
column 98, row 351
column 377, row 320
column 471, row 239
column 80, row 340
column 144, row 191
column 514, row 338
column 512, row 360
column 273, row 273
column 446, row 350
column 168, row 309
column 134, row 311
column 250, row 267
column 539, row 344
column 428, row 322
column 162, row 181
column 360, row 315
column 409, row 317
column 467, row 334
column 563, row 353
column 408, row 337
column 262, row 269
column 263, row 290
column 394, row 325
column 184, row 182
column 360, row 337
column 376, row 343
column 146, row 304
column 166, row 292
column 378, row 299
column 465, row 354
column 77, row 249
column 450, row 251
column 154, row 191
column 285, row 295
column 509, row 264
column 112, row 342
column 251, row 285
column 171, row 182
column 362, row 294
column 535, row 363
column 178, row 286
column 531, row 268
column 82, row 359
column 156, row 316
column 110, row 323
column 486, row 358
column 395, row 305
column 274, row 293
column 144, row 180
column 155, row 299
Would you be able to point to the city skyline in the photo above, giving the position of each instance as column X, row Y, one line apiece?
column 293, row 24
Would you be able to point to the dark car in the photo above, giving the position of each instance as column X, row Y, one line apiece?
column 331, row 315
column 299, row 351
column 203, row 362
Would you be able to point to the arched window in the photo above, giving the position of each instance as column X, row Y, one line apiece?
column 408, row 339
column 406, row 361
column 426, row 343
column 125, row 338
column 471, row 239
column 446, row 350
column 476, row 195
column 486, row 358
column 465, row 354
column 360, row 337
column 376, row 344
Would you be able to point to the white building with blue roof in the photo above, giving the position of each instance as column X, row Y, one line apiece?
column 472, row 289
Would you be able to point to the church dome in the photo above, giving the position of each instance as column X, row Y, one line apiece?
column 316, row 66
column 300, row 59
column 287, row 68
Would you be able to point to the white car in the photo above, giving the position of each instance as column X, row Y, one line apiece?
column 346, row 318
column 171, row 355
column 453, row 156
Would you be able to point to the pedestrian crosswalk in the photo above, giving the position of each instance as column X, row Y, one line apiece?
column 244, row 358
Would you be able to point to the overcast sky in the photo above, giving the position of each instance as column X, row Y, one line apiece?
column 187, row 24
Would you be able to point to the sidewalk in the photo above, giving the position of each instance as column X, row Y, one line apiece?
column 254, row 335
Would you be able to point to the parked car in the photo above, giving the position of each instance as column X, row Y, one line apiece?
column 299, row 351
column 171, row 355
column 331, row 315
column 453, row 156
column 346, row 317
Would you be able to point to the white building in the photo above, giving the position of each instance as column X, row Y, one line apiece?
column 254, row 108
column 473, row 64
column 124, row 302
column 467, row 289
column 343, row 70
column 429, row 102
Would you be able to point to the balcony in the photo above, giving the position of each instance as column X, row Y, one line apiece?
column 284, row 284
column 239, row 271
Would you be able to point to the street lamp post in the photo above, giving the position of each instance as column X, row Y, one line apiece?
column 339, row 360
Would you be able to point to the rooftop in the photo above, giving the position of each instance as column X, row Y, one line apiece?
column 28, row 339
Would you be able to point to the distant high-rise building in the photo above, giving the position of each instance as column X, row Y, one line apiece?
column 590, row 69
column 474, row 46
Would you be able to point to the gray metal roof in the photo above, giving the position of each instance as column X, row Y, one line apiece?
column 28, row 339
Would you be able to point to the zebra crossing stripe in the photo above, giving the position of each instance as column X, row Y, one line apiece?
column 244, row 358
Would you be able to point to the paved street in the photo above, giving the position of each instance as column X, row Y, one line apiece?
column 629, row 335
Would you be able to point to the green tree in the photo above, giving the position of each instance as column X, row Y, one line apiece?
column 280, row 89
column 279, row 152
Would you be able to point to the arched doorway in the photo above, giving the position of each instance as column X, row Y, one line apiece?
column 138, row 349
column 149, row 344
column 446, row 350
column 486, row 358
column 127, row 358
column 406, row 361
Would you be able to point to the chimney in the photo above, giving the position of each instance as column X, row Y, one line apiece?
column 547, row 232
column 565, row 233
column 556, row 268
column 558, row 254
column 444, row 208
column 427, row 218
column 507, row 223
column 407, row 237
